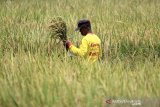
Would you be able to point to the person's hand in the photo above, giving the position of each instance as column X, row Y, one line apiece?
column 67, row 44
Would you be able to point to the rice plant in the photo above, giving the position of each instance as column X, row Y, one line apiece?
column 36, row 71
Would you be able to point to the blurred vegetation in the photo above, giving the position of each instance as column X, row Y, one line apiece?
column 36, row 71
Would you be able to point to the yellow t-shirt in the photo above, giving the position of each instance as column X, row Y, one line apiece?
column 90, row 48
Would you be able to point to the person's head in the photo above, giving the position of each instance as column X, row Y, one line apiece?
column 84, row 26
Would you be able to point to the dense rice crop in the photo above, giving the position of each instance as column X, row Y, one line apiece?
column 58, row 29
column 36, row 71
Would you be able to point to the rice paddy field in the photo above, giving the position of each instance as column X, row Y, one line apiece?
column 36, row 71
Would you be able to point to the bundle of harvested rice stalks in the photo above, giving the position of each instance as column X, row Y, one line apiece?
column 58, row 28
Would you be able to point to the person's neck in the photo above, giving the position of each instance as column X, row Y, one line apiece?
column 89, row 33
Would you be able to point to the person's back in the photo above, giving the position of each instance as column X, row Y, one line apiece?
column 94, row 47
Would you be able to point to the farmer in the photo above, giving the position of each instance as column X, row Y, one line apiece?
column 90, row 47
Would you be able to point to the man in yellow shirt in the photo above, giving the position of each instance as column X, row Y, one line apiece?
column 90, row 47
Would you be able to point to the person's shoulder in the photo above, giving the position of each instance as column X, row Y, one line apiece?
column 97, row 37
column 89, row 35
column 92, row 34
column 86, row 37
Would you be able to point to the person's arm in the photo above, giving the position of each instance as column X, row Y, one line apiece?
column 82, row 50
